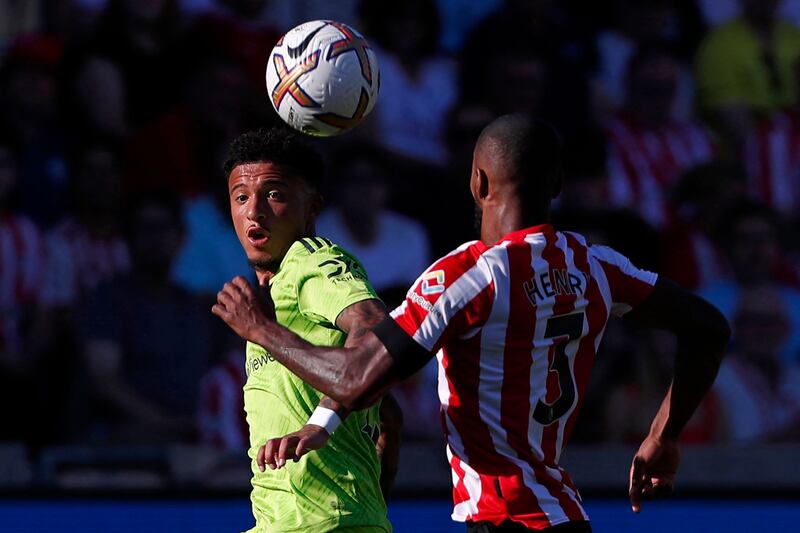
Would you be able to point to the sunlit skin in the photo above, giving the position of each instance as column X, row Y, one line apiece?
column 270, row 209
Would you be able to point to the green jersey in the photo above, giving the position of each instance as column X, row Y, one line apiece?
column 339, row 485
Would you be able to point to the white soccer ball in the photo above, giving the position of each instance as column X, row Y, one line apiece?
column 323, row 78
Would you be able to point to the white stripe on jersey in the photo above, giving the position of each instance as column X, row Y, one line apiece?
column 491, row 380
column 572, row 347
column 541, row 365
column 472, row 481
column 453, row 299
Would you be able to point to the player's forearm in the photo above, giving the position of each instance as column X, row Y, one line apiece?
column 388, row 445
column 695, row 371
column 351, row 376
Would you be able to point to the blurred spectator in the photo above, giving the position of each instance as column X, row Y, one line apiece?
column 181, row 148
column 459, row 18
column 18, row 18
column 648, row 148
column 583, row 203
column 88, row 245
column 29, row 106
column 532, row 28
column 394, row 249
column 147, row 342
column 238, row 30
column 716, row 12
column 744, row 69
column 22, row 271
column 758, row 392
column 418, row 84
column 128, row 72
column 636, row 23
column 751, row 236
column 772, row 156
column 691, row 254
column 418, row 398
column 220, row 414
column 211, row 255
column 628, row 412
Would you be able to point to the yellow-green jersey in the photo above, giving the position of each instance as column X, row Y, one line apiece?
column 339, row 485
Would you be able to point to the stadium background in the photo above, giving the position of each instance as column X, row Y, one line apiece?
column 682, row 150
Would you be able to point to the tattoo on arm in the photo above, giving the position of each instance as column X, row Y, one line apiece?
column 361, row 316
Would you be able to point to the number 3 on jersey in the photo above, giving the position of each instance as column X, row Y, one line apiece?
column 563, row 329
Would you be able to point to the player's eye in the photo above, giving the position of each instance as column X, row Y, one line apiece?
column 241, row 198
column 276, row 195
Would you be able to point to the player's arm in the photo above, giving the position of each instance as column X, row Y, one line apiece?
column 356, row 320
column 388, row 445
column 702, row 334
column 356, row 375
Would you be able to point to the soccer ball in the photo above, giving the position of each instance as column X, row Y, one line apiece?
column 323, row 78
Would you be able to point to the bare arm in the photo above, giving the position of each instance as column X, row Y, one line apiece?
column 388, row 445
column 356, row 320
column 702, row 334
column 356, row 375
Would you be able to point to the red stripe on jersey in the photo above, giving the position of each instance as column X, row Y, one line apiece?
column 564, row 303
column 596, row 316
column 453, row 266
column 473, row 315
column 461, row 364
column 515, row 415
column 460, row 492
column 624, row 288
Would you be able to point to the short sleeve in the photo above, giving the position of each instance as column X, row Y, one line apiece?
column 329, row 281
column 629, row 285
column 450, row 299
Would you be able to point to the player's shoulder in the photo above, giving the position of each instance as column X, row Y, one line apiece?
column 451, row 267
column 462, row 258
column 308, row 256
column 316, row 248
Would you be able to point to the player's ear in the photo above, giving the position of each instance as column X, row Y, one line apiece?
column 481, row 184
column 314, row 207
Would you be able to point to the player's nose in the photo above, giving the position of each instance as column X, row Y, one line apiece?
column 257, row 209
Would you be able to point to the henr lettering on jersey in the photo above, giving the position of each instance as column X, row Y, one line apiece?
column 554, row 282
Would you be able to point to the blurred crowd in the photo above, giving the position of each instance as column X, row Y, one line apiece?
column 681, row 128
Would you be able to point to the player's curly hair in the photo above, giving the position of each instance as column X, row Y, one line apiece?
column 280, row 146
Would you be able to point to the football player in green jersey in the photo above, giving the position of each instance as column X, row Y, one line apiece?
column 320, row 292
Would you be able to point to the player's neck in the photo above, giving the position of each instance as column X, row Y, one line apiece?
column 508, row 218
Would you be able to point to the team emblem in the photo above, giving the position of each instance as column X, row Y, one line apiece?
column 433, row 282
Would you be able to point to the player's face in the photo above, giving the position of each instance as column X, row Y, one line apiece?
column 270, row 209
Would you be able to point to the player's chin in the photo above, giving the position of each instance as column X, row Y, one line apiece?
column 260, row 258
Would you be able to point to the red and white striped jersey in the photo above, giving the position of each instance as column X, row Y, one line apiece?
column 516, row 327
column 23, row 258
column 772, row 159
column 644, row 164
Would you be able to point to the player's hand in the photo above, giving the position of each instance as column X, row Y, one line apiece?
column 653, row 471
column 292, row 446
column 243, row 308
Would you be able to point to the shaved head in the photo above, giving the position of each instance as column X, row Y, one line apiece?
column 521, row 154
